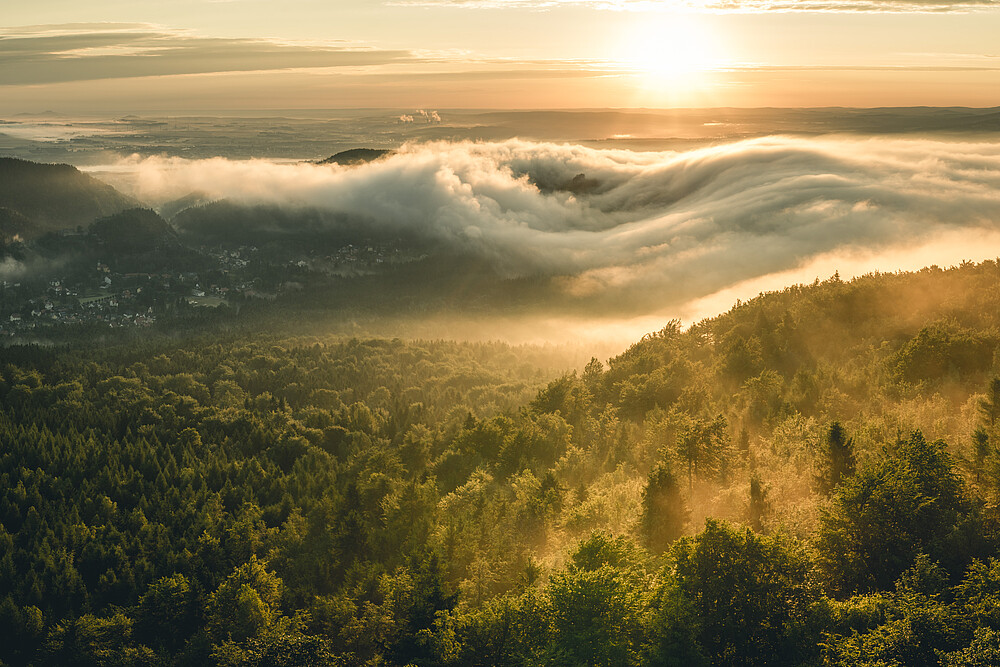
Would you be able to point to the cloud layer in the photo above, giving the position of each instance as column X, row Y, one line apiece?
column 715, row 6
column 85, row 52
column 638, row 229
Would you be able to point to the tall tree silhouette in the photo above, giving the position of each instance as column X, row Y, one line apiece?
column 838, row 459
column 664, row 512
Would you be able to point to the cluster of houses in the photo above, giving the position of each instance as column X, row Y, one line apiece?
column 106, row 297
column 61, row 304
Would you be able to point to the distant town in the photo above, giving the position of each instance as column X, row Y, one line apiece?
column 101, row 296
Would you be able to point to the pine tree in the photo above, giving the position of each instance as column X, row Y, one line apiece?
column 664, row 512
column 989, row 405
column 838, row 459
column 980, row 450
column 759, row 506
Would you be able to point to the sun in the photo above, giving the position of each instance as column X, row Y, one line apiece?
column 671, row 50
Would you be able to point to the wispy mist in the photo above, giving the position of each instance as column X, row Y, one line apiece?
column 641, row 229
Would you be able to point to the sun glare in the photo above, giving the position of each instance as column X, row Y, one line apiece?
column 671, row 50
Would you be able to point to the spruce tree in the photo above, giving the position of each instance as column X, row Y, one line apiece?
column 838, row 459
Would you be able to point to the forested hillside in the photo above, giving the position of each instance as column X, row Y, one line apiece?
column 38, row 198
column 810, row 478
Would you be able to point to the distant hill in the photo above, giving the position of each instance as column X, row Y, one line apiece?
column 229, row 222
column 578, row 185
column 49, row 197
column 170, row 209
column 232, row 223
column 356, row 156
column 136, row 230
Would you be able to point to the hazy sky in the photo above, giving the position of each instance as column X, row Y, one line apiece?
column 141, row 55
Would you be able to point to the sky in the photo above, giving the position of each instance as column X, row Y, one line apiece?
column 135, row 56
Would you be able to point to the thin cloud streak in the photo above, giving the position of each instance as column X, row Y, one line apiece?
column 637, row 230
column 722, row 6
column 87, row 52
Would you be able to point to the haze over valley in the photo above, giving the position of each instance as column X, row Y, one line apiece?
column 584, row 236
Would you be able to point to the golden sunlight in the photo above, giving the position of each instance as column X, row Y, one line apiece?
column 674, row 49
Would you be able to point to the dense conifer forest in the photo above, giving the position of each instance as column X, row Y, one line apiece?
column 811, row 478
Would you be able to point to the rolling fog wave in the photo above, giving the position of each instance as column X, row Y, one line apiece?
column 641, row 227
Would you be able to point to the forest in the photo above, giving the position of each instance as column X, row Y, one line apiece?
column 810, row 478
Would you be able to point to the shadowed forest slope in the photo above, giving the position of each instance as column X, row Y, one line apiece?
column 42, row 198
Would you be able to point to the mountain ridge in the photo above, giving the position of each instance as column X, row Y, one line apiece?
column 53, row 197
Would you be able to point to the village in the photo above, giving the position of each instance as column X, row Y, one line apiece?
column 103, row 296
